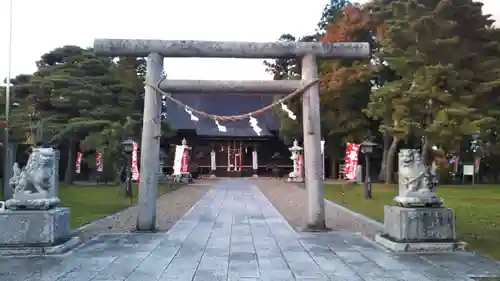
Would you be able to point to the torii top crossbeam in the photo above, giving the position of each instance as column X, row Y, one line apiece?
column 214, row 49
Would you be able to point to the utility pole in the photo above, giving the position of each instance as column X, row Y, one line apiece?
column 7, row 170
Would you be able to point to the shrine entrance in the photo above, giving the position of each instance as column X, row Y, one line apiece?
column 157, row 87
column 234, row 156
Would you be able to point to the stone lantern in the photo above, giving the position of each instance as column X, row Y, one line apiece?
column 367, row 149
column 296, row 174
column 128, row 148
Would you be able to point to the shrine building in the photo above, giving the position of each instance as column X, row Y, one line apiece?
column 234, row 148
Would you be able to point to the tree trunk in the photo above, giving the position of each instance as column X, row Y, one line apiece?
column 332, row 157
column 383, row 167
column 389, row 172
column 70, row 171
column 425, row 152
column 333, row 167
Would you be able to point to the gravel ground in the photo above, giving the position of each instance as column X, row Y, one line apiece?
column 169, row 209
column 291, row 201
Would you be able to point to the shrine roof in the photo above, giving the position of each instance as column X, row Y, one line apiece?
column 222, row 104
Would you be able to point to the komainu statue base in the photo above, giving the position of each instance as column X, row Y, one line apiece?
column 419, row 230
column 36, row 232
column 294, row 177
column 32, row 204
column 183, row 178
column 419, row 199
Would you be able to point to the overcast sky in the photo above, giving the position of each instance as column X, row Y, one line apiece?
column 40, row 26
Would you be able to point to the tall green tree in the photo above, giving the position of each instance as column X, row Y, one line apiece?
column 434, row 97
column 283, row 69
column 75, row 94
column 287, row 69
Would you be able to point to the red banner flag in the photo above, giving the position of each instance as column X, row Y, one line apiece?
column 300, row 165
column 135, row 166
column 98, row 161
column 79, row 157
column 351, row 160
column 185, row 157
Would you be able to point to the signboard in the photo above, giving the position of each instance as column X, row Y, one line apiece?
column 468, row 170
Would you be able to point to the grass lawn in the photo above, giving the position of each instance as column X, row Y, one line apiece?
column 89, row 203
column 477, row 209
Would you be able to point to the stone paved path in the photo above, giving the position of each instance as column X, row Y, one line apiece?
column 232, row 234
column 170, row 207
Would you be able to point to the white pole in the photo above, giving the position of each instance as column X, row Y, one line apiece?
column 9, row 67
column 323, row 158
column 9, row 62
column 6, row 152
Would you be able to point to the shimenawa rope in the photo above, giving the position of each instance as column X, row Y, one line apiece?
column 233, row 117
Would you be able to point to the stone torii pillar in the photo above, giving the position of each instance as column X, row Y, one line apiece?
column 309, row 52
column 150, row 146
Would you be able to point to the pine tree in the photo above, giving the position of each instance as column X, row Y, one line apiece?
column 74, row 94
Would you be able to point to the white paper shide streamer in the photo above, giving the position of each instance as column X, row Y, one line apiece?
column 190, row 112
column 220, row 127
column 255, row 125
column 290, row 113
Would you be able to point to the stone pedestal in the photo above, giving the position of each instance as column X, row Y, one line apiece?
column 36, row 232
column 24, row 228
column 419, row 230
column 183, row 178
column 27, row 203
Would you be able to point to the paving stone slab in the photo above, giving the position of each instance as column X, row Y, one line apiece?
column 235, row 233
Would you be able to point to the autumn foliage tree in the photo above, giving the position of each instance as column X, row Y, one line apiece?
column 345, row 84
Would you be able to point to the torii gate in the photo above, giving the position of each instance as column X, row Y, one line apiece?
column 156, row 50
